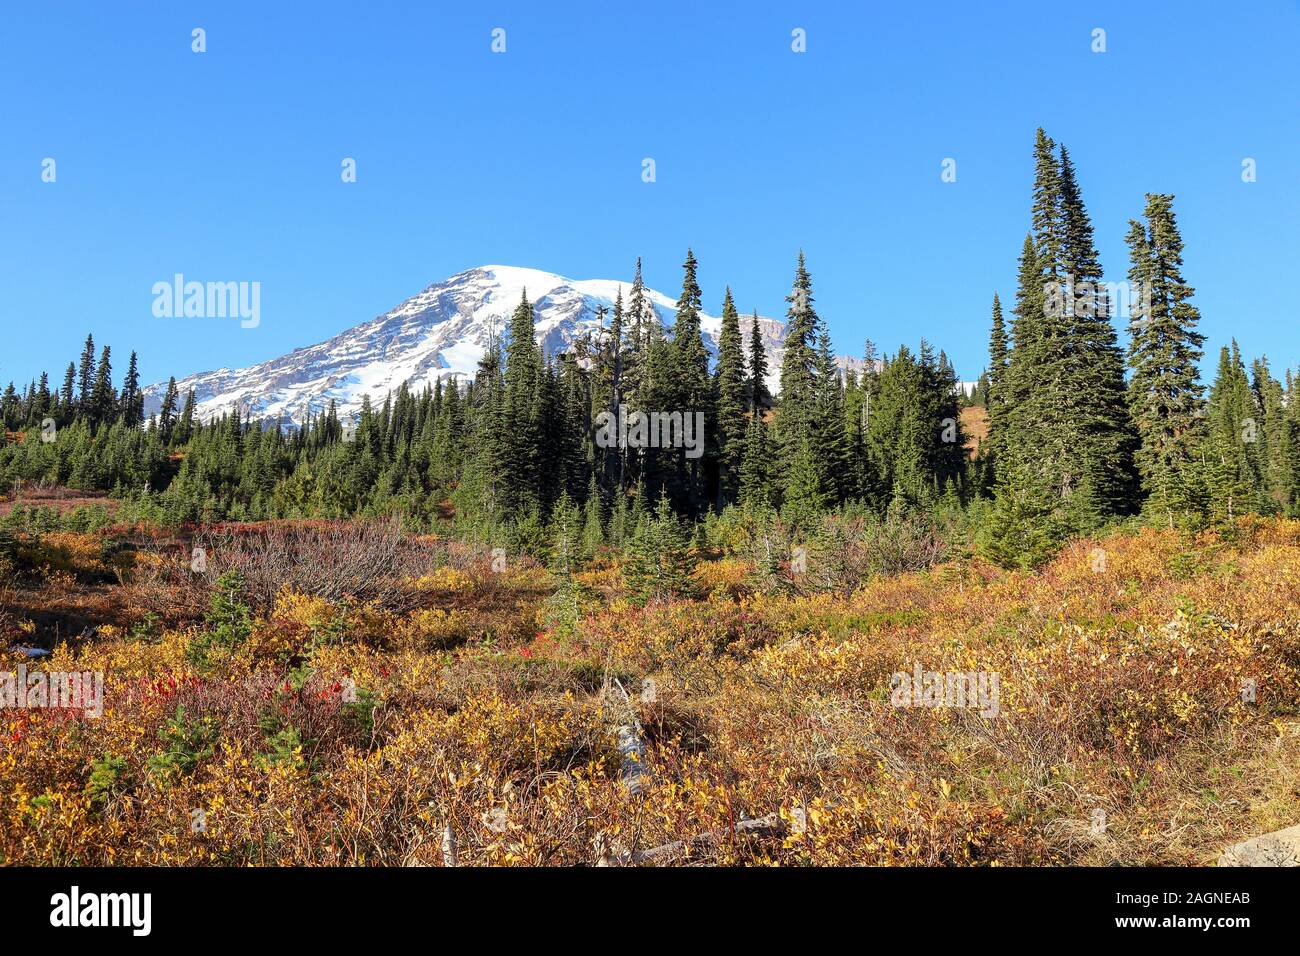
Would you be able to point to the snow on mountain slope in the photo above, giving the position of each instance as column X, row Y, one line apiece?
column 439, row 333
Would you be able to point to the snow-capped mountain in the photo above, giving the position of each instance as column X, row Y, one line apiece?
column 439, row 333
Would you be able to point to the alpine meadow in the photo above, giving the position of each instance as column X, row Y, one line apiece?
column 551, row 572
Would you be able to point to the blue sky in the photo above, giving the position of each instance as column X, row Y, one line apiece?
column 225, row 165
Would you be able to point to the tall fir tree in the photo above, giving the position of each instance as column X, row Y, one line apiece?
column 1231, row 453
column 999, row 354
column 1067, row 442
column 759, row 396
column 86, row 373
column 131, row 401
column 102, row 394
column 521, row 414
column 798, row 473
column 731, row 399
column 691, row 387
column 1103, row 431
column 1164, row 392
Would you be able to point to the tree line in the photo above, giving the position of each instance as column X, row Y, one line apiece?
column 1080, row 431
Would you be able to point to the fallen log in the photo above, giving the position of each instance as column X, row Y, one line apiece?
column 771, row 825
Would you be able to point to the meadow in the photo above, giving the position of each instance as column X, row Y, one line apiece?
column 324, row 693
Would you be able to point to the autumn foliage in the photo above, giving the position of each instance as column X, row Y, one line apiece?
column 1149, row 685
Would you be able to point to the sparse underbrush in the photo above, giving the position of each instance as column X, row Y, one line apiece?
column 348, row 694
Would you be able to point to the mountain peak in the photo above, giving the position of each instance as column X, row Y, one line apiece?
column 440, row 332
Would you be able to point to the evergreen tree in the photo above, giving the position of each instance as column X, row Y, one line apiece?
column 755, row 477
column 1164, row 349
column 131, row 401
column 1065, row 442
column 830, row 438
column 86, row 374
column 659, row 560
column 691, row 384
column 731, row 399
column 637, row 335
column 167, row 413
column 755, row 483
column 66, row 394
column 999, row 352
column 798, row 474
column 759, row 398
column 614, row 465
column 41, row 400
column 521, row 413
column 185, row 428
column 1231, row 453
column 593, row 533
column 102, row 394
column 1103, row 432
column 1276, row 438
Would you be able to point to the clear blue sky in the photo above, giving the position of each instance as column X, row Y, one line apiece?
column 225, row 165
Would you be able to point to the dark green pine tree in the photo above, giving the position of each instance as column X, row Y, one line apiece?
column 185, row 427
column 167, row 413
column 103, row 396
column 480, row 495
column 67, row 393
column 995, row 399
column 614, row 464
column 1277, row 441
column 86, row 373
column 654, row 469
column 1041, row 441
column 637, row 328
column 1045, row 211
column 1232, row 460
column 1103, row 432
column 913, row 438
column 446, row 452
column 759, row 397
column 856, row 481
column 1288, row 453
column 949, row 459
column 520, row 478
column 593, row 525
column 830, row 437
column 798, row 473
column 40, row 401
column 731, row 401
column 131, row 401
column 659, row 559
column 691, row 386
column 567, row 427
column 1164, row 393
column 1026, row 524
column 10, row 408
column 1067, row 446
column 1025, row 407
column 755, row 478
column 755, row 481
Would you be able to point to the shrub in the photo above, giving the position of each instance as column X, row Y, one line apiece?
column 659, row 560
column 369, row 561
column 107, row 775
column 186, row 743
column 229, row 620
column 845, row 551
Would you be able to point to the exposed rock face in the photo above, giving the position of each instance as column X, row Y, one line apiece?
column 439, row 333
column 1280, row 848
